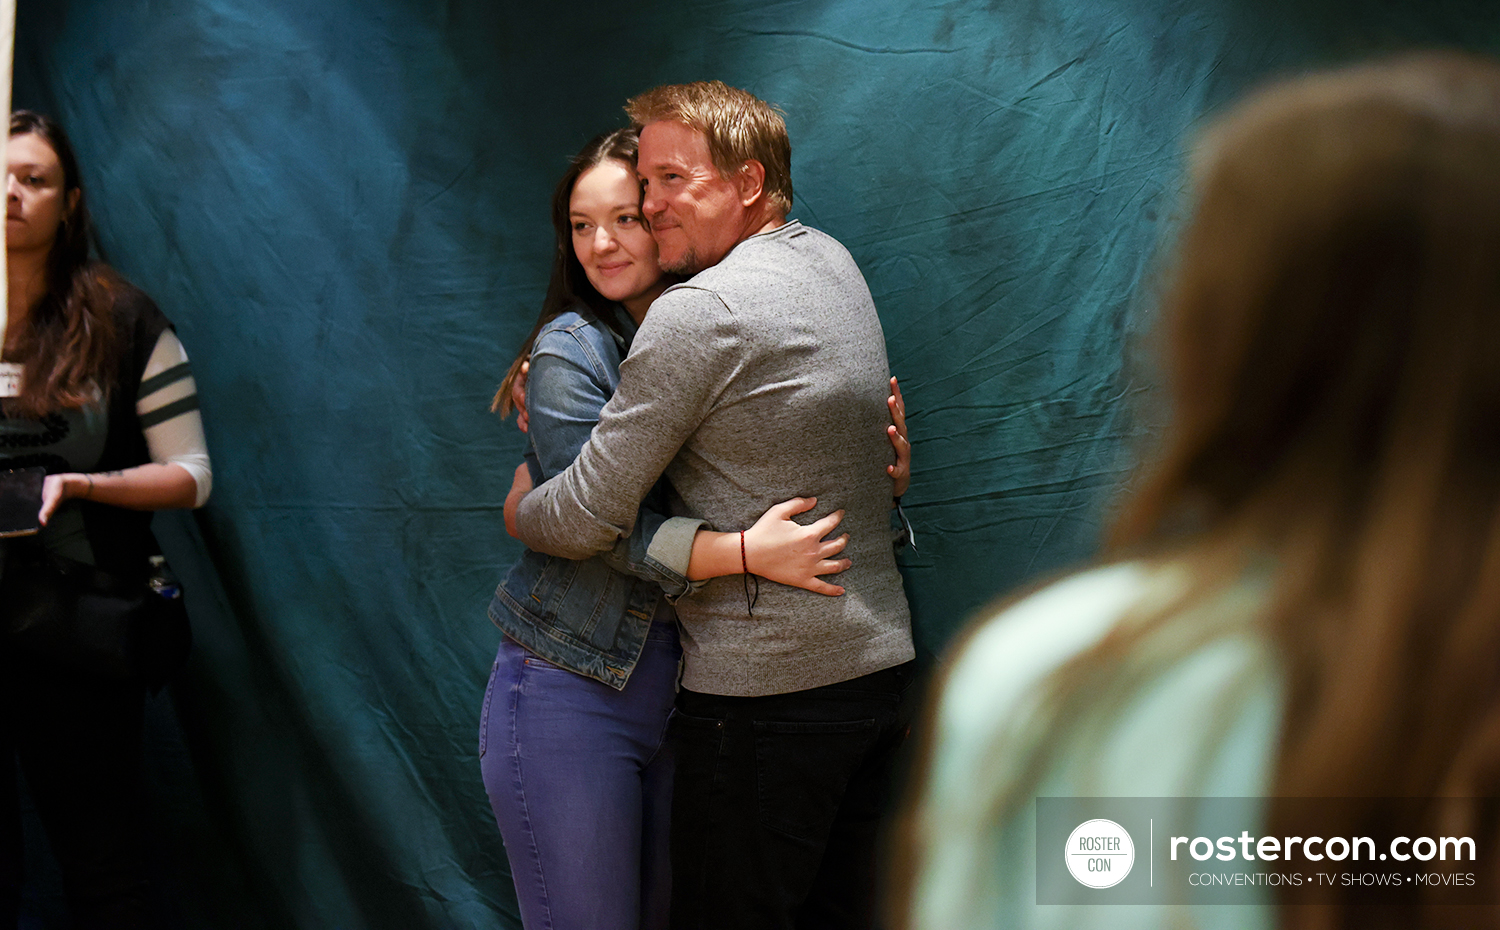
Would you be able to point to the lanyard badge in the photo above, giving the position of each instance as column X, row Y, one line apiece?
column 10, row 379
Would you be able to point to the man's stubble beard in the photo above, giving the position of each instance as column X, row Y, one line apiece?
column 686, row 264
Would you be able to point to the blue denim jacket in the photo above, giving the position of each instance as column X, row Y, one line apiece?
column 590, row 616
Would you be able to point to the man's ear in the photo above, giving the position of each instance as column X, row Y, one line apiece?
column 750, row 181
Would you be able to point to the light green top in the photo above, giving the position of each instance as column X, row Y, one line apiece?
column 1205, row 724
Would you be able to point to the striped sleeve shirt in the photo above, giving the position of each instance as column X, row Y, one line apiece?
column 167, row 405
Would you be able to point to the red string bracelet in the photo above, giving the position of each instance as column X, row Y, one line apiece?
column 746, row 576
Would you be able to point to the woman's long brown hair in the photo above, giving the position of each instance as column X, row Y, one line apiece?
column 1331, row 333
column 69, row 347
column 1333, row 337
column 569, row 287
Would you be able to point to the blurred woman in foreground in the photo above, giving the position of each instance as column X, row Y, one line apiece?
column 1301, row 596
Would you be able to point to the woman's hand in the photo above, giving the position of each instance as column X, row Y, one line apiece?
column 781, row 549
column 520, row 486
column 58, row 488
column 518, row 400
column 901, row 471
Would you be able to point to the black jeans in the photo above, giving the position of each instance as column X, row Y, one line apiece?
column 79, row 743
column 779, row 803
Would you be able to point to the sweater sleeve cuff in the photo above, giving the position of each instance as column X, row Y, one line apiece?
column 672, row 548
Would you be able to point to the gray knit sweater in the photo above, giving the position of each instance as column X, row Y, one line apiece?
column 761, row 379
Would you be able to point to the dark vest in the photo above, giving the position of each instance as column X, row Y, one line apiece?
column 121, row 539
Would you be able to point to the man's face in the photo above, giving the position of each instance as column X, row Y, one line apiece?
column 695, row 215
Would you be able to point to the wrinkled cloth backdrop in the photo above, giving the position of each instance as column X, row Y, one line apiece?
column 343, row 206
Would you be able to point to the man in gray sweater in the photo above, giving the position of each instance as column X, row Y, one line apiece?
column 762, row 378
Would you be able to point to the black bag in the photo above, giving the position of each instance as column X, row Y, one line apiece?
column 67, row 613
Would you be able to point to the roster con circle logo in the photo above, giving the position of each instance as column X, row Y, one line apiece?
column 1100, row 853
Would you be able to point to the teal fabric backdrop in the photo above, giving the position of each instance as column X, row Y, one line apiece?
column 343, row 206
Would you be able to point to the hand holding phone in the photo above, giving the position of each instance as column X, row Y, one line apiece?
column 21, row 500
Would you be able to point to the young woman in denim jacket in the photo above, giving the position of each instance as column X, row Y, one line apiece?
column 572, row 735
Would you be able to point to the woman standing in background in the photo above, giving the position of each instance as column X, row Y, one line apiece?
column 107, row 405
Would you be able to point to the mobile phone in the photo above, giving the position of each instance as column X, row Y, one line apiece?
column 21, row 500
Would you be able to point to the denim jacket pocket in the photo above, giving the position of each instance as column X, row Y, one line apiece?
column 581, row 615
column 552, row 584
column 594, row 590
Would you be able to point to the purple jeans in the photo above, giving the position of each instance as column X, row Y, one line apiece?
column 579, row 776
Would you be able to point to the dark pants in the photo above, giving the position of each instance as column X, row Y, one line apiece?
column 78, row 742
column 779, row 803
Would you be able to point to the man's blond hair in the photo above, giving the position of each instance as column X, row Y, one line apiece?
column 738, row 125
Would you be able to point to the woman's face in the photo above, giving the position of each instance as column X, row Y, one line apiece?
column 35, row 201
column 612, row 243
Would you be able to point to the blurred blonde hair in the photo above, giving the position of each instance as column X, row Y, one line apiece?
column 1331, row 332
